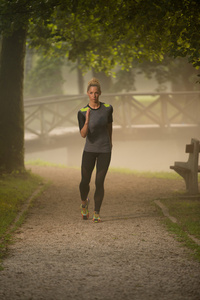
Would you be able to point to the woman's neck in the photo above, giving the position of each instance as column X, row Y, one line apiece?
column 94, row 105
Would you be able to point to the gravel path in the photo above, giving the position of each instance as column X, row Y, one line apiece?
column 130, row 255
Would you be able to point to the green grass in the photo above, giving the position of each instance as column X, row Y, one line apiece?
column 39, row 162
column 164, row 175
column 187, row 212
column 15, row 189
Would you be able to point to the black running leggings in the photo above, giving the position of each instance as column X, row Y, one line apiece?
column 102, row 161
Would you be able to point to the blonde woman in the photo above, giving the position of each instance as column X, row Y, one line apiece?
column 95, row 124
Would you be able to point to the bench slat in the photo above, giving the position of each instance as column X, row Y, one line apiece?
column 182, row 168
column 186, row 170
column 190, row 148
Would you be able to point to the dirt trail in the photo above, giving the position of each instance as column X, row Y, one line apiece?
column 130, row 255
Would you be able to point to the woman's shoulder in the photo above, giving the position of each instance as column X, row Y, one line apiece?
column 84, row 109
column 106, row 105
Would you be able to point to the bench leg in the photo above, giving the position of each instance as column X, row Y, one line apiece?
column 192, row 185
column 191, row 181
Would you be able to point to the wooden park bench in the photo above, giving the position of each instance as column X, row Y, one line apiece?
column 189, row 170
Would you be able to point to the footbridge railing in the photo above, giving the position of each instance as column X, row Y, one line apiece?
column 58, row 114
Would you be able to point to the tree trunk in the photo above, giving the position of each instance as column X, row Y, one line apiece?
column 80, row 79
column 11, row 102
column 105, row 81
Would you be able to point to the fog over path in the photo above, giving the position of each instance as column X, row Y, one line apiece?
column 144, row 151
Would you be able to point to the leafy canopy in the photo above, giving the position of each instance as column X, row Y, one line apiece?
column 102, row 34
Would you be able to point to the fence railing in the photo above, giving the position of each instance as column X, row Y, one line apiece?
column 50, row 115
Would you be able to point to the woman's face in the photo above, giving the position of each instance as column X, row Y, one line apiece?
column 94, row 93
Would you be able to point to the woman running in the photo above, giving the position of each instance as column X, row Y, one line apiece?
column 95, row 123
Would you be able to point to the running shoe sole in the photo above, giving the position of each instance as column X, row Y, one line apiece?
column 96, row 220
column 86, row 216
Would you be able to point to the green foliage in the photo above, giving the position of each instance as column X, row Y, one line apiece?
column 15, row 14
column 125, row 80
column 181, row 74
column 45, row 78
column 102, row 34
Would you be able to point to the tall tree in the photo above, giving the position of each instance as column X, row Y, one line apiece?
column 15, row 16
column 11, row 100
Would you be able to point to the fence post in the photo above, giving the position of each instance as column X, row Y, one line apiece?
column 164, row 112
column 43, row 130
column 126, row 114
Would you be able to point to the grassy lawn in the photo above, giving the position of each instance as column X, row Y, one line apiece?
column 14, row 191
column 187, row 212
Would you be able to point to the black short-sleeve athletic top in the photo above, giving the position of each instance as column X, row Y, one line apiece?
column 98, row 139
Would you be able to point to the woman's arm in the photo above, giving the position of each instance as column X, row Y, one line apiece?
column 84, row 130
column 109, row 126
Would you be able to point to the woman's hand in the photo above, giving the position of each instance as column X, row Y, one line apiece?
column 87, row 116
column 84, row 130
